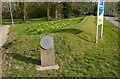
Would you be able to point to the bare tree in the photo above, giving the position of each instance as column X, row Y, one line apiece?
column 23, row 9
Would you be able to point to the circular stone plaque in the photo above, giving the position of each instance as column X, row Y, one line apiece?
column 46, row 42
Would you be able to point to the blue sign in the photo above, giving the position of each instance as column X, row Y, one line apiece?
column 100, row 11
column 101, row 8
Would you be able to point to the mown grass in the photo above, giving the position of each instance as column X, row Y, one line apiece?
column 76, row 52
column 39, row 26
column 119, row 19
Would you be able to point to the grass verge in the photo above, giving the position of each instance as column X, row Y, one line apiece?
column 75, row 51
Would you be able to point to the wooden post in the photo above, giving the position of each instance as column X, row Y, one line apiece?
column 47, row 57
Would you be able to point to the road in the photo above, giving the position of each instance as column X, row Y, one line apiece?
column 113, row 20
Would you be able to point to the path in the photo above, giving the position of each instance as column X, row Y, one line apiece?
column 3, row 38
column 112, row 20
column 3, row 34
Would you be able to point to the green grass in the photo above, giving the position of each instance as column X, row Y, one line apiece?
column 119, row 19
column 75, row 51
column 38, row 26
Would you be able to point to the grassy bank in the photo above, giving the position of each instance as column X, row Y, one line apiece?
column 119, row 19
column 75, row 51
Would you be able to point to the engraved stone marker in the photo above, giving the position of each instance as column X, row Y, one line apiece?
column 46, row 42
column 47, row 51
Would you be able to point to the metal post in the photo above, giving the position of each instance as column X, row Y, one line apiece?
column 102, row 23
column 97, row 24
column 101, row 30
column 11, row 13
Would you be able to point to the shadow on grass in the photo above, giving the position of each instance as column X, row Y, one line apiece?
column 88, row 40
column 39, row 19
column 8, row 44
column 25, row 59
column 69, row 30
column 73, row 31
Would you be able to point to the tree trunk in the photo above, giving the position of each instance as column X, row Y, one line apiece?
column 56, row 12
column 23, row 7
column 25, row 12
column 48, row 12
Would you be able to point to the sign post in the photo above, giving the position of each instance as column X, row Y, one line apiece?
column 100, row 18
